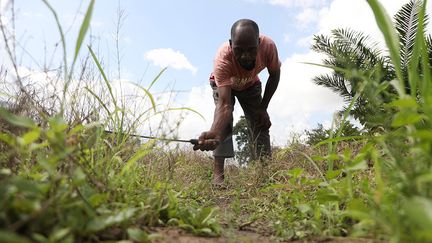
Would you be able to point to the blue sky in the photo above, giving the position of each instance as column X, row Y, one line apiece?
column 184, row 35
column 194, row 28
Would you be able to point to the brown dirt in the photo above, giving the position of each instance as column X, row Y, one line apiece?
column 172, row 235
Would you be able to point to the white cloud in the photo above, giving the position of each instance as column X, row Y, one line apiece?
column 3, row 5
column 298, row 101
column 167, row 57
column 307, row 17
column 297, row 95
column 308, row 9
column 357, row 15
column 305, row 41
column 4, row 21
column 298, row 104
column 297, row 3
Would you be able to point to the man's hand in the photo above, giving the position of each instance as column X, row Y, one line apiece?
column 207, row 141
column 263, row 119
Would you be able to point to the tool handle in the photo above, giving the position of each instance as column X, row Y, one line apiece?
column 195, row 141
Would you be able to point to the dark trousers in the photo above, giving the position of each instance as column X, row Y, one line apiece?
column 250, row 101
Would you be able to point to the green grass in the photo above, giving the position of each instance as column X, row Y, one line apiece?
column 67, row 182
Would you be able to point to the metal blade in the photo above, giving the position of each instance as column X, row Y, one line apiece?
column 192, row 141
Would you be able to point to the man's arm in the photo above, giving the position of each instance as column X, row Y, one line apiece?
column 271, row 86
column 222, row 119
column 223, row 113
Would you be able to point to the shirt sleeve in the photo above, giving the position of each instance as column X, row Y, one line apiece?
column 222, row 70
column 272, row 58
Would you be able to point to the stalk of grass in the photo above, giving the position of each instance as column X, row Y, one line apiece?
column 314, row 165
column 62, row 38
column 420, row 42
column 337, row 138
column 82, row 33
column 392, row 40
column 68, row 72
column 118, row 123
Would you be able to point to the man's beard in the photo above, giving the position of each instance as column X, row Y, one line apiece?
column 248, row 66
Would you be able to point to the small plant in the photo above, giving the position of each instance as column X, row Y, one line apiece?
column 67, row 181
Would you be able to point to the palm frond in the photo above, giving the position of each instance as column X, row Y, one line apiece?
column 429, row 48
column 336, row 83
column 406, row 21
column 322, row 44
column 357, row 43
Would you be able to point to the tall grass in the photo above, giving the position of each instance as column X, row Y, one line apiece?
column 72, row 182
column 396, row 204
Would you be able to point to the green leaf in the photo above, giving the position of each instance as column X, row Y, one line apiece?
column 156, row 78
column 205, row 231
column 103, row 222
column 403, row 118
column 357, row 205
column 24, row 185
column 338, row 139
column 325, row 195
column 96, row 60
column 16, row 120
column 425, row 54
column 8, row 139
column 188, row 227
column 357, row 165
column 78, row 177
column 30, row 137
column 333, row 174
column 173, row 222
column 391, row 37
column 99, row 100
column 11, row 237
column 357, row 209
column 424, row 134
column 206, row 214
column 149, row 95
column 83, row 30
column 304, row 208
column 137, row 235
column 76, row 129
column 419, row 212
column 423, row 179
column 59, row 234
column 134, row 159
column 97, row 199
column 295, row 173
column 408, row 102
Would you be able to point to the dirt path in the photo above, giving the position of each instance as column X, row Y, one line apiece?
column 171, row 235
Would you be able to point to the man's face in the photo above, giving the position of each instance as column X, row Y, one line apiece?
column 245, row 47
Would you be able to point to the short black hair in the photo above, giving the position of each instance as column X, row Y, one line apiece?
column 246, row 22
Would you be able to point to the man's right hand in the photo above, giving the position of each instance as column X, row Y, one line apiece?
column 207, row 141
